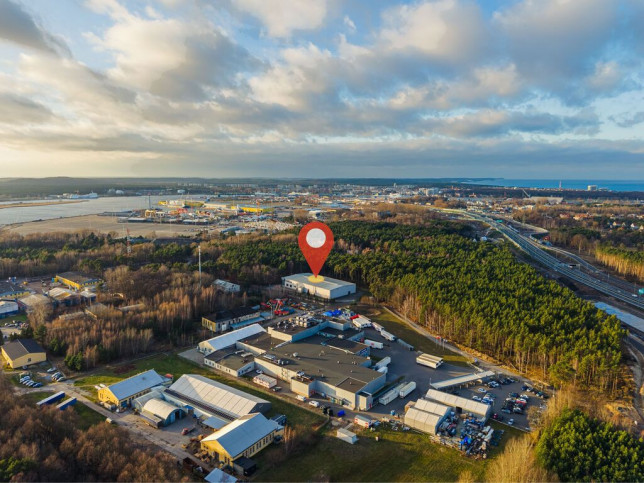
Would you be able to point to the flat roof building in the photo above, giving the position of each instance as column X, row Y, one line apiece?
column 23, row 352
column 10, row 290
column 76, row 280
column 31, row 302
column 231, row 319
column 243, row 437
column 226, row 286
column 124, row 392
column 8, row 308
column 329, row 289
column 229, row 339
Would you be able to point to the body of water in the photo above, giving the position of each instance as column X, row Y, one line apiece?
column 25, row 214
column 576, row 184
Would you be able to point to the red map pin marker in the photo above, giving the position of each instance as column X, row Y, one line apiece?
column 316, row 241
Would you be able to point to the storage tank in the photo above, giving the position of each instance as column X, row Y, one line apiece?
column 407, row 389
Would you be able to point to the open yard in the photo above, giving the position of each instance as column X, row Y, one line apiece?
column 177, row 366
column 400, row 329
column 86, row 416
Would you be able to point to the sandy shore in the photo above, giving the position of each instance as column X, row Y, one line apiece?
column 102, row 224
column 19, row 204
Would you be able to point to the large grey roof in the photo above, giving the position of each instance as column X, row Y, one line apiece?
column 228, row 339
column 21, row 347
column 224, row 398
column 135, row 384
column 159, row 408
column 241, row 434
column 421, row 420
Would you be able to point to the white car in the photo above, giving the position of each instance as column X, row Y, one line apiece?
column 315, row 404
column 511, row 422
column 481, row 389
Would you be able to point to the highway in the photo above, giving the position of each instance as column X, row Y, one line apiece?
column 532, row 248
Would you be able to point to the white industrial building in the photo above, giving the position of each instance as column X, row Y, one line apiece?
column 226, row 286
column 477, row 377
column 426, row 416
column 329, row 289
column 461, row 404
column 229, row 339
column 209, row 398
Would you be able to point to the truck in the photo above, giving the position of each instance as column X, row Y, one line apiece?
column 361, row 322
column 376, row 326
column 383, row 370
column 382, row 363
column 387, row 335
column 373, row 344
column 407, row 389
column 429, row 360
column 65, row 404
column 390, row 395
column 51, row 399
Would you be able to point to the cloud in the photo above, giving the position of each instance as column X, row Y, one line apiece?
column 17, row 25
column 348, row 23
column 282, row 17
column 22, row 110
column 628, row 120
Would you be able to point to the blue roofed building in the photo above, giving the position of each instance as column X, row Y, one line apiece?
column 124, row 392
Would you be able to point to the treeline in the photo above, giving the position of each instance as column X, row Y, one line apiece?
column 476, row 294
column 623, row 260
column 578, row 447
column 46, row 254
column 171, row 304
column 44, row 444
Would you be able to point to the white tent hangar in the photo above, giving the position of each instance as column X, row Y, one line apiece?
column 466, row 405
column 422, row 421
column 432, row 407
column 211, row 398
column 226, row 340
column 163, row 410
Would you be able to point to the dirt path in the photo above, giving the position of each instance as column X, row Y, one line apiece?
column 636, row 348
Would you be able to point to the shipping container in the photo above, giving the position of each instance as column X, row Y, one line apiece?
column 407, row 389
column 373, row 344
column 383, row 370
column 51, row 399
column 390, row 395
column 382, row 363
column 65, row 404
column 265, row 381
column 378, row 327
column 361, row 322
column 430, row 361
column 387, row 335
column 362, row 421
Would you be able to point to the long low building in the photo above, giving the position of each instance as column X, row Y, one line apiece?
column 329, row 289
column 229, row 339
column 463, row 380
column 461, row 404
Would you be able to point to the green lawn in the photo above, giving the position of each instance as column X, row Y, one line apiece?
column 34, row 397
column 177, row 366
column 401, row 329
column 87, row 417
column 398, row 456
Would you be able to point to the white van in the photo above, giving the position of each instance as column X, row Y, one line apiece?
column 315, row 404
column 300, row 398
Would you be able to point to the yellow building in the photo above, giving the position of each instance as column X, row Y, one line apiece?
column 124, row 392
column 77, row 281
column 243, row 437
column 23, row 352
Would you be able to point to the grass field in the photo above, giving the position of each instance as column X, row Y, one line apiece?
column 400, row 329
column 177, row 366
column 397, row 456
column 86, row 416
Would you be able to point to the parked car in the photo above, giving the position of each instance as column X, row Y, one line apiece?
column 514, row 394
column 506, row 411
column 476, row 398
column 481, row 389
column 315, row 404
column 511, row 422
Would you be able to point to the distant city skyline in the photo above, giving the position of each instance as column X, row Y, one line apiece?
column 519, row 89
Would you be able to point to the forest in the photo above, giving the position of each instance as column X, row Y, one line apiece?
column 578, row 447
column 473, row 293
column 44, row 444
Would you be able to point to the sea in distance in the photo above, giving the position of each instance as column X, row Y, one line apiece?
column 26, row 213
column 571, row 184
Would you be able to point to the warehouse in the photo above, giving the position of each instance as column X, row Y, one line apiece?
column 8, row 308
column 77, row 281
column 23, row 352
column 461, row 404
column 229, row 339
column 33, row 301
column 329, row 289
column 210, row 398
column 12, row 291
column 422, row 421
column 231, row 319
column 231, row 361
column 226, row 286
column 309, row 368
column 124, row 392
column 244, row 437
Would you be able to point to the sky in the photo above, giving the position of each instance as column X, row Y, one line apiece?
column 322, row 88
